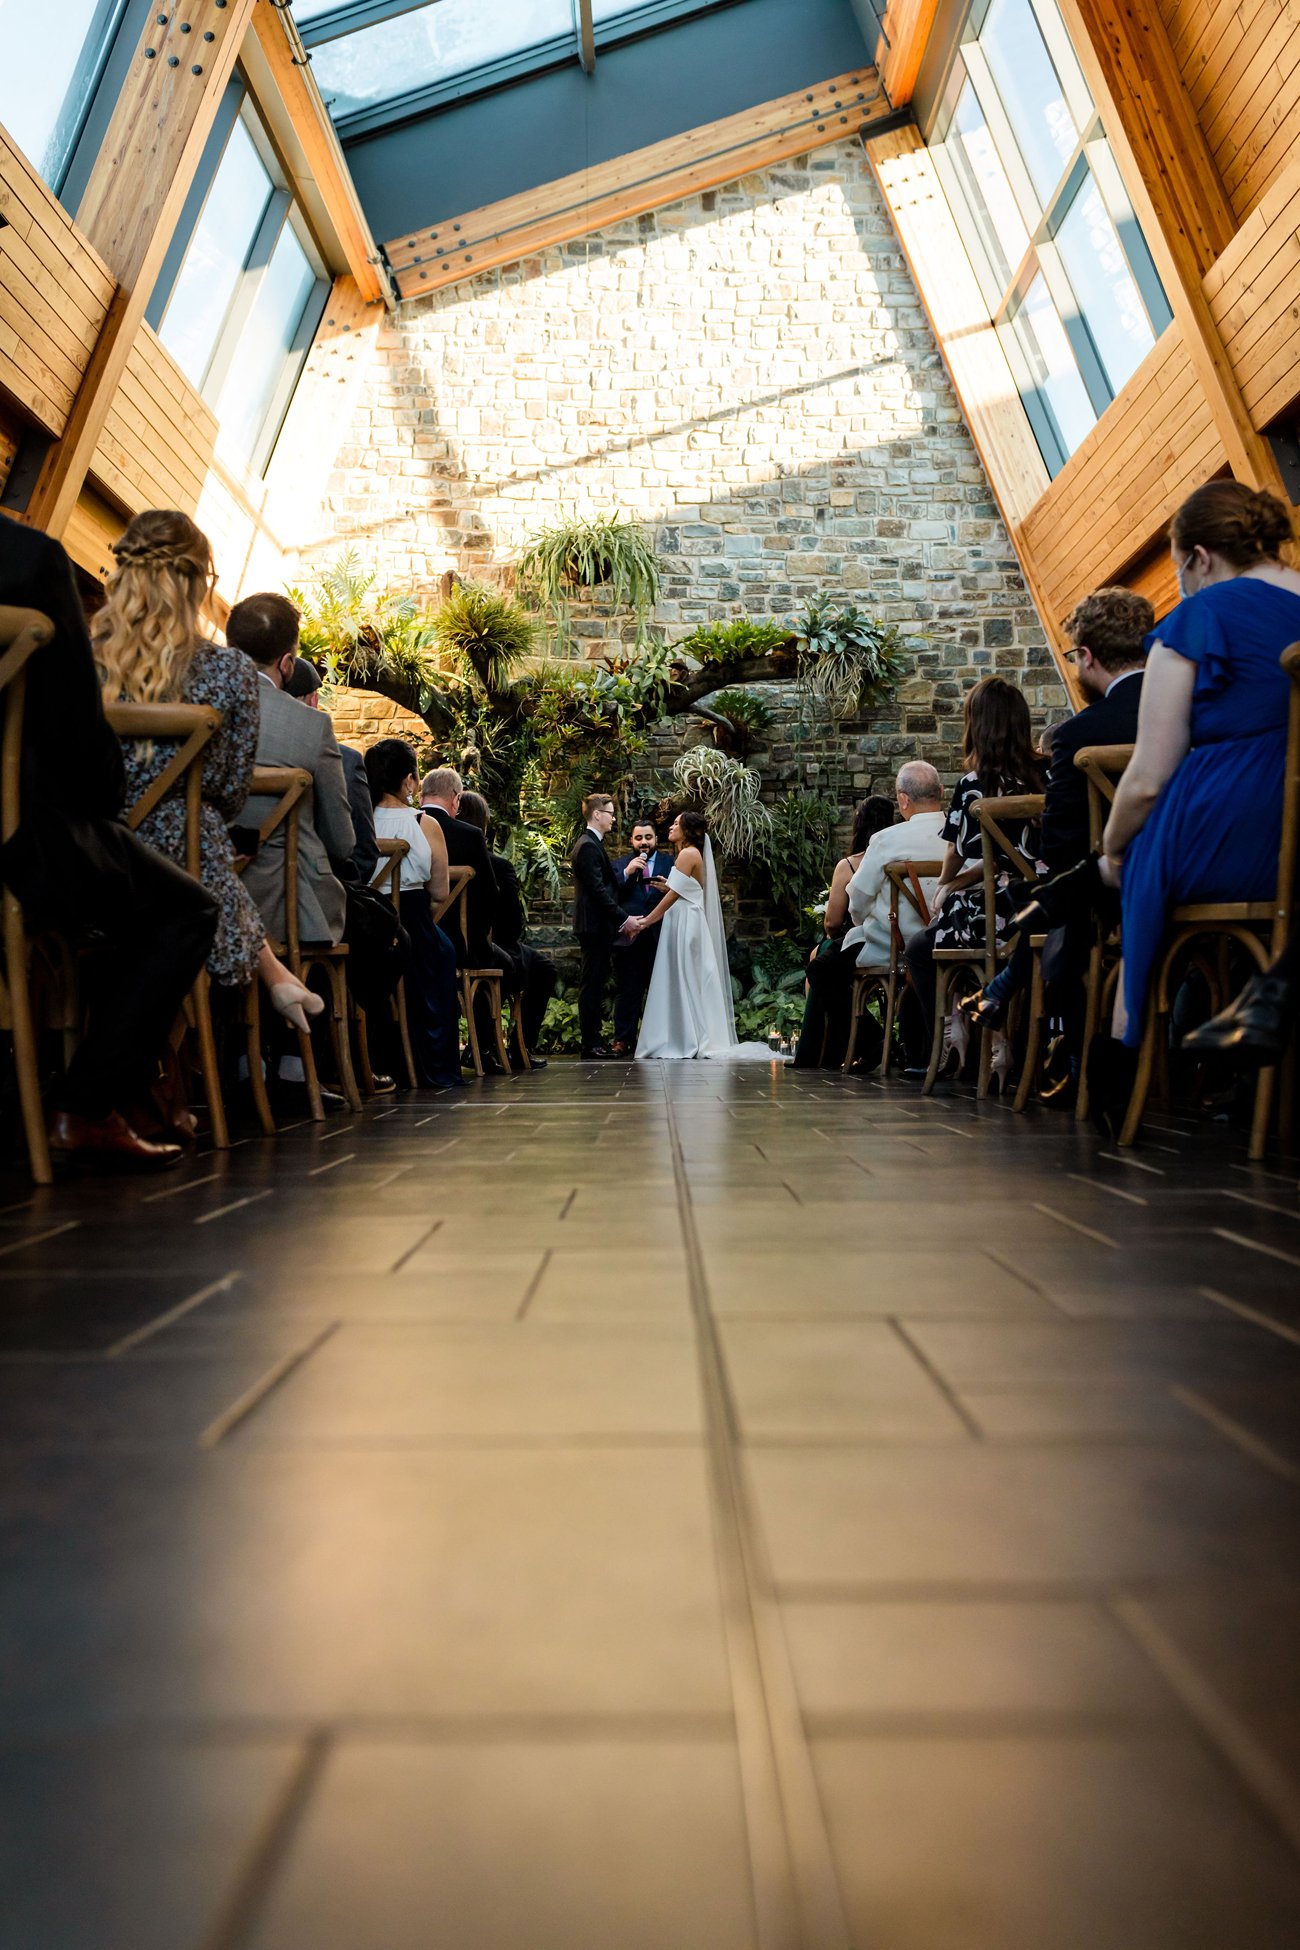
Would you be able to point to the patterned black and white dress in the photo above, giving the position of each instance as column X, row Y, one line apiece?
column 227, row 681
column 961, row 919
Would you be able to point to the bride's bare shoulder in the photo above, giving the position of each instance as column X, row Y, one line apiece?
column 690, row 860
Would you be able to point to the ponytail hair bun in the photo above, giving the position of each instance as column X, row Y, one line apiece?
column 1243, row 525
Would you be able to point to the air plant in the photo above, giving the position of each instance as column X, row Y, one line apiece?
column 727, row 792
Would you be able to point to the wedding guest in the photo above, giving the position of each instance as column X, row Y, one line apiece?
column 151, row 648
column 1001, row 762
column 432, row 999
column 440, row 795
column 643, row 876
column 305, row 684
column 77, row 869
column 536, row 974
column 599, row 917
column 1197, row 815
column 829, row 991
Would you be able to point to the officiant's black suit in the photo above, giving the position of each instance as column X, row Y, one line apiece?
column 598, row 915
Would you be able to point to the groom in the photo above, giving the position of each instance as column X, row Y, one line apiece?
column 599, row 918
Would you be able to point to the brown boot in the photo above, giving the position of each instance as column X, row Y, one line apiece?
column 106, row 1144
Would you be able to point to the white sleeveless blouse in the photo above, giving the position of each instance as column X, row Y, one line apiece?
column 403, row 823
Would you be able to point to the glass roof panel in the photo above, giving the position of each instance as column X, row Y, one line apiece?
column 432, row 44
column 311, row 9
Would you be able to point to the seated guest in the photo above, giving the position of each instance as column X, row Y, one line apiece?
column 1197, row 815
column 536, row 974
column 265, row 628
column 1001, row 762
column 432, row 996
column 1107, row 631
column 643, row 876
column 829, row 990
column 365, row 854
column 77, row 869
column 440, row 792
column 150, row 646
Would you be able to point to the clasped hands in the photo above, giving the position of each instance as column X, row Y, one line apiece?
column 636, row 924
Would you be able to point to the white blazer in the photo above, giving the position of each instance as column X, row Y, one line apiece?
column 916, row 838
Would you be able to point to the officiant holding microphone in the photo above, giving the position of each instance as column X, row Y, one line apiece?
column 642, row 876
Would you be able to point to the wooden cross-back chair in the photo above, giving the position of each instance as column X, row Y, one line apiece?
column 1261, row 927
column 905, row 889
column 1103, row 766
column 474, row 981
column 192, row 727
column 997, row 852
column 22, row 633
column 284, row 785
column 389, row 879
column 288, row 786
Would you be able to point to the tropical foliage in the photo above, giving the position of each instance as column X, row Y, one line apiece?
column 366, row 635
column 727, row 792
column 603, row 551
column 739, row 718
column 847, row 658
column 728, row 643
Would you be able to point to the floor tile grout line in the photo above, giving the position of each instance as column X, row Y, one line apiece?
column 1263, row 1205
column 252, row 1398
column 1255, row 1245
column 940, row 1380
column 797, row 1900
column 270, row 1846
column 533, row 1285
column 183, row 1307
column 235, row 1205
column 176, row 1191
column 39, row 1238
column 1089, row 1232
column 1100, row 1185
column 333, row 1165
column 1237, row 1433
column 1134, row 1164
column 1252, row 1766
column 410, row 1252
column 1251, row 1314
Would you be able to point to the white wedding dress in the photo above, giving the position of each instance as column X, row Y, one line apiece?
column 688, row 1011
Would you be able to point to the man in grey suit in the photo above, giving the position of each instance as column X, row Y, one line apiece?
column 265, row 628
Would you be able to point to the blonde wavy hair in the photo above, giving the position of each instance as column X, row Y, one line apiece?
column 150, row 625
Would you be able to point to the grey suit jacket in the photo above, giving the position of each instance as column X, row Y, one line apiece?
column 293, row 734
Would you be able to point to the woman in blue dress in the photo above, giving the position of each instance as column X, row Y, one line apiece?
column 1198, row 812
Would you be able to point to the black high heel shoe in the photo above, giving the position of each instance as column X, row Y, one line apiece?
column 981, row 1007
column 1066, row 894
column 1112, row 1072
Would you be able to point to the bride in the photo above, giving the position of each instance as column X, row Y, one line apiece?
column 688, row 1009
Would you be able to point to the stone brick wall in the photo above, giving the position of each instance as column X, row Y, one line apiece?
column 750, row 373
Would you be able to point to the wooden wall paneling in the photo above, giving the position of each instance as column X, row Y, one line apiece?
column 151, row 151
column 1254, row 296
column 904, row 30
column 321, row 161
column 93, row 526
column 644, row 179
column 1168, row 172
column 977, row 365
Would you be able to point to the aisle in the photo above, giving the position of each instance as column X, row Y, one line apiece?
column 660, row 1509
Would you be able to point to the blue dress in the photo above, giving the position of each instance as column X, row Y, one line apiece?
column 1216, row 829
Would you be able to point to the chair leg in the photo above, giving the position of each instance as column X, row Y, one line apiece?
column 363, row 1068
column 23, row 1032
column 936, row 1041
column 209, row 1068
column 404, row 1031
column 338, row 986
column 1264, row 1085
column 517, row 1034
column 1137, row 1102
column 256, row 1070
column 891, row 1009
column 498, row 1026
column 468, row 989
column 985, row 1073
column 855, row 1017
column 1033, row 1042
column 1091, row 1019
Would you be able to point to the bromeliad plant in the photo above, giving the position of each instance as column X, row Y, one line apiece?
column 731, row 643
column 847, row 658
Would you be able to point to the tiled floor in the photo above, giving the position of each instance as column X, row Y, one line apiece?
column 656, row 1509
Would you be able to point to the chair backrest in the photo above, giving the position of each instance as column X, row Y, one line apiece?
column 1103, row 766
column 458, row 879
column 1290, row 847
column 192, row 726
column 22, row 633
column 997, row 847
column 284, row 786
column 905, row 878
column 394, row 851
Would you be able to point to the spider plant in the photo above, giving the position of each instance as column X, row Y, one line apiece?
column 846, row 658
column 602, row 551
column 727, row 792
column 484, row 634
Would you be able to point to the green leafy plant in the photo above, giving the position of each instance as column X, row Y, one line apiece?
column 537, row 856
column 774, row 1000
column 561, row 1032
column 847, row 658
column 484, row 634
column 365, row 634
column 728, row 643
column 739, row 719
column 727, row 792
column 801, row 832
column 602, row 551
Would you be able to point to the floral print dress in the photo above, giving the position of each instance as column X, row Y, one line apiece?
column 227, row 681
column 961, row 919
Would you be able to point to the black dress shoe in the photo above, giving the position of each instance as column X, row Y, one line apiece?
column 288, row 1095
column 534, row 1062
column 106, row 1144
column 597, row 1052
column 383, row 1086
column 1255, row 1027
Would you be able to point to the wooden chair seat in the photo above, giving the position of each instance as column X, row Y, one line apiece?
column 472, row 982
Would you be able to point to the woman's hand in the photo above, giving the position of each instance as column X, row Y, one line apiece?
column 940, row 896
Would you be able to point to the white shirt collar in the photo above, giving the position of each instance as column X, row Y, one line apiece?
column 1124, row 674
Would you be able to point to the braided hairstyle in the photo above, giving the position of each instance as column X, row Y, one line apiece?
column 150, row 624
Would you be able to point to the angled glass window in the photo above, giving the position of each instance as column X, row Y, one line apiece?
column 984, row 184
column 52, row 57
column 432, row 44
column 219, row 250
column 267, row 343
column 1051, row 381
column 1031, row 91
column 1103, row 285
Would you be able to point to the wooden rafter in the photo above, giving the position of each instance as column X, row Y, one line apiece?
column 645, row 179
column 904, row 32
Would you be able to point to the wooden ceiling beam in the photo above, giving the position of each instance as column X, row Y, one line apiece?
column 645, row 179
column 904, row 33
column 285, row 67
column 130, row 209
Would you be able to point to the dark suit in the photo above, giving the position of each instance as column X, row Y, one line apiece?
column 1109, row 720
column 634, row 960
column 72, row 863
column 466, row 847
column 598, row 915
column 364, row 857
column 536, row 973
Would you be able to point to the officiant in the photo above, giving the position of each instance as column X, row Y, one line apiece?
column 642, row 876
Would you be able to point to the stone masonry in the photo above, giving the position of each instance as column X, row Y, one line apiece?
column 750, row 373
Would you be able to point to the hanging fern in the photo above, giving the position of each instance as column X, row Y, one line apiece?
column 604, row 551
column 485, row 634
